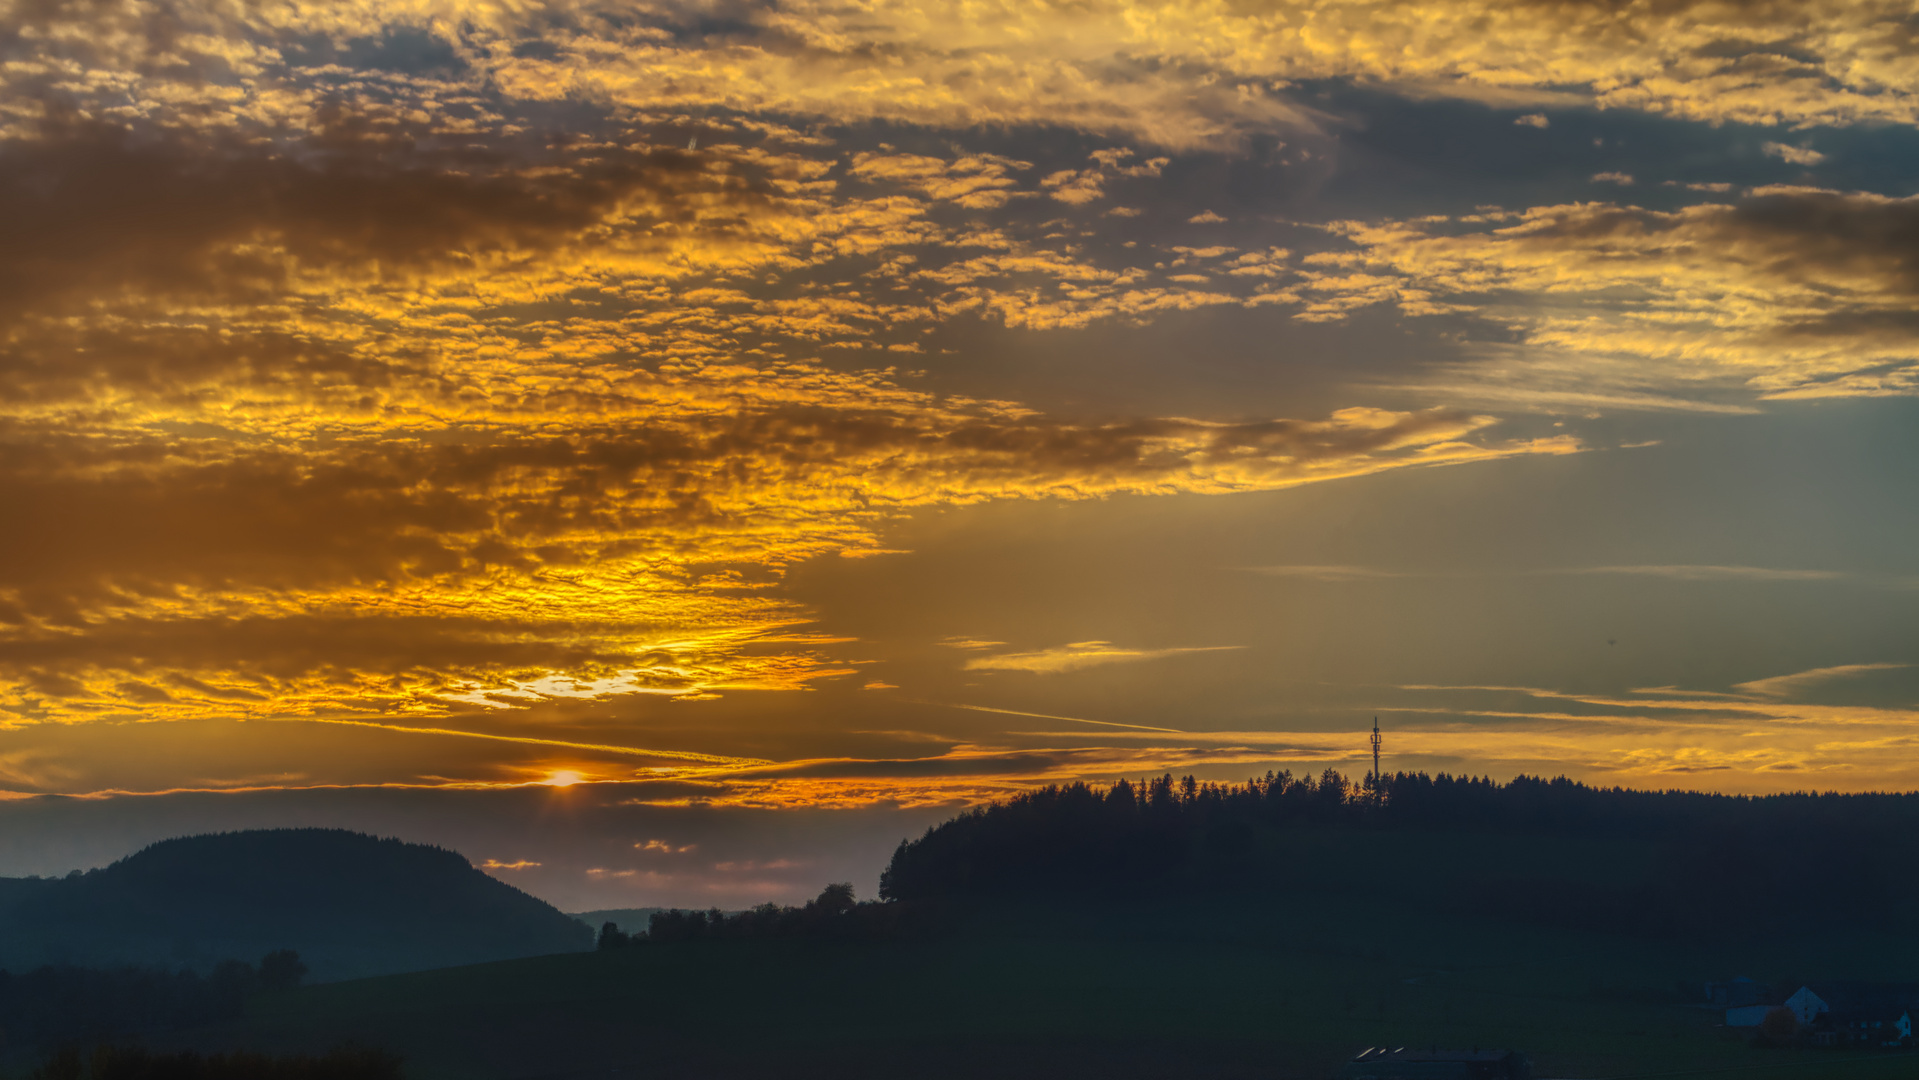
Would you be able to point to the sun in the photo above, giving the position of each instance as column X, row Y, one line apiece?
column 562, row 778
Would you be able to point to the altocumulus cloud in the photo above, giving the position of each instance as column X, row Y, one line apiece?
column 382, row 404
column 1787, row 293
column 1192, row 74
column 395, row 360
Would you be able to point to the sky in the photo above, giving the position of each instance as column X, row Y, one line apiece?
column 670, row 452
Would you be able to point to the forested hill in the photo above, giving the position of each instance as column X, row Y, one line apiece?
column 1552, row 851
column 350, row 904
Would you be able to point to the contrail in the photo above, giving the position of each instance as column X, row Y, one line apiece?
column 1050, row 716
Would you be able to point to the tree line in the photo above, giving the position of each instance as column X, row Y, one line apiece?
column 1657, row 860
column 63, row 1004
column 836, row 912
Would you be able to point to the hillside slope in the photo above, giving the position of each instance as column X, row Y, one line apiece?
column 1653, row 864
column 351, row 904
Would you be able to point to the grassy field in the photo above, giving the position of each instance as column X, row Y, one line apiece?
column 1237, row 988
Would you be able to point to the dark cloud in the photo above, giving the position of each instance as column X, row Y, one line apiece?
column 1792, row 234
column 273, row 650
column 1806, row 235
column 99, row 212
column 181, row 367
column 270, row 520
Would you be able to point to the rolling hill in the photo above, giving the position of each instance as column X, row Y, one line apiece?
column 350, row 904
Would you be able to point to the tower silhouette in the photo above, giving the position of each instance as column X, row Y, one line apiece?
column 1376, row 776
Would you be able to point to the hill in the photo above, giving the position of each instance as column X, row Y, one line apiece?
column 350, row 904
column 1650, row 864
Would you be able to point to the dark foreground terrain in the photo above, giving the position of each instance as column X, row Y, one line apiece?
column 1183, row 930
column 1237, row 987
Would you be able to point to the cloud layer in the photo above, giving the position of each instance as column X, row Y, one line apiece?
column 1787, row 293
column 1172, row 75
column 429, row 373
column 386, row 420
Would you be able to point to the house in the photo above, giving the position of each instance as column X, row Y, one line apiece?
column 1885, row 1026
column 1381, row 1063
column 1736, row 993
column 1806, row 1004
column 1746, row 1001
column 1844, row 1013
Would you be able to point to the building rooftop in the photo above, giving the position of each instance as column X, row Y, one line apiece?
column 1381, row 1053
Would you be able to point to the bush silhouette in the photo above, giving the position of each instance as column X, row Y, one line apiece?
column 281, row 970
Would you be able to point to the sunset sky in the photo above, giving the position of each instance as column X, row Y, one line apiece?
column 671, row 451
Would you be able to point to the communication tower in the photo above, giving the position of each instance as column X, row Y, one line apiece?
column 1376, row 776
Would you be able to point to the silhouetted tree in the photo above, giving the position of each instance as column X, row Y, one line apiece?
column 836, row 912
column 50, row 1006
column 281, row 970
column 835, row 899
column 1779, row 1027
column 612, row 937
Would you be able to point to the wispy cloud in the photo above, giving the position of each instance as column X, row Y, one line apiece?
column 1325, row 572
column 1756, row 736
column 1674, row 571
column 1050, row 716
column 1080, row 654
column 970, row 643
column 1695, row 572
column 1786, row 686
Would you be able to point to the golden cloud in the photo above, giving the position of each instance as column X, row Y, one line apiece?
column 1757, row 740
column 332, row 425
column 1079, row 654
column 335, row 383
column 1186, row 75
column 400, row 576
column 1788, row 293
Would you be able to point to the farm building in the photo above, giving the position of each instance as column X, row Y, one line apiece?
column 1886, row 1026
column 1736, row 993
column 1857, row 1014
column 1843, row 1014
column 1380, row 1063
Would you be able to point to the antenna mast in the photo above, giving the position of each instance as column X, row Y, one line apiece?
column 1376, row 776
